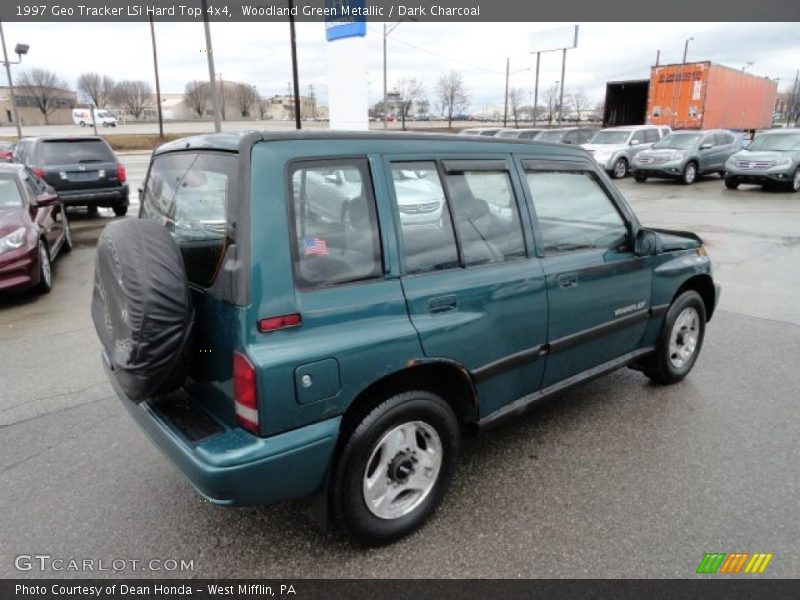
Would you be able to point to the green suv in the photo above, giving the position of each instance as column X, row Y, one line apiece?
column 273, row 348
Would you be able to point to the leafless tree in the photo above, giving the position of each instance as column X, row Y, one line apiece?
column 134, row 96
column 98, row 88
column 551, row 99
column 246, row 97
column 44, row 88
column 515, row 96
column 452, row 94
column 409, row 92
column 423, row 107
column 195, row 96
column 578, row 102
column 225, row 98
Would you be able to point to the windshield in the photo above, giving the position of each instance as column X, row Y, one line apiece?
column 10, row 197
column 60, row 152
column 780, row 142
column 511, row 133
column 610, row 137
column 678, row 141
column 551, row 136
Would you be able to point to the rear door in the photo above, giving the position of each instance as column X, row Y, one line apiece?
column 598, row 290
column 78, row 163
column 475, row 293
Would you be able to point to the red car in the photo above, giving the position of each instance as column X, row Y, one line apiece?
column 33, row 230
column 6, row 150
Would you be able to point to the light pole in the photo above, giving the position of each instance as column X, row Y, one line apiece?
column 686, row 48
column 158, row 83
column 387, row 30
column 19, row 49
column 211, row 76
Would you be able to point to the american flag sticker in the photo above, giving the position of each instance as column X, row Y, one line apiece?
column 315, row 246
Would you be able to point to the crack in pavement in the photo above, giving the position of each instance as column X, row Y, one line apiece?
column 71, row 393
column 55, row 412
column 48, row 448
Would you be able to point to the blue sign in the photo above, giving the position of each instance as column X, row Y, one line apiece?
column 345, row 18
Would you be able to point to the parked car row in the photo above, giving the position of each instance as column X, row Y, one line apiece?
column 46, row 175
column 650, row 151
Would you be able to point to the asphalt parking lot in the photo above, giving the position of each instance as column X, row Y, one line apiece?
column 618, row 478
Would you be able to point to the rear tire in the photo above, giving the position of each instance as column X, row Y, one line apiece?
column 395, row 467
column 67, row 245
column 120, row 211
column 731, row 183
column 680, row 341
column 91, row 211
column 640, row 177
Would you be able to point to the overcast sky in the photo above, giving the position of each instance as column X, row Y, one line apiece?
column 258, row 53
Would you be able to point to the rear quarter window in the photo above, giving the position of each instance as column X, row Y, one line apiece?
column 188, row 192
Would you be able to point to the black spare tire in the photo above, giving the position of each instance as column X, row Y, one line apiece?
column 141, row 307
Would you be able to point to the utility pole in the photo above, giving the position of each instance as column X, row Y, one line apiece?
column 505, row 106
column 158, row 85
column 10, row 84
column 561, row 97
column 211, row 73
column 658, row 56
column 536, row 88
column 295, row 76
column 686, row 49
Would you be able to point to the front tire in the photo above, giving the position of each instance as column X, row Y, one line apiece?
column 689, row 174
column 620, row 169
column 680, row 340
column 794, row 185
column 395, row 467
column 640, row 177
column 45, row 270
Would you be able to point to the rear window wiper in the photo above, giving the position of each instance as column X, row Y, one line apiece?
column 90, row 160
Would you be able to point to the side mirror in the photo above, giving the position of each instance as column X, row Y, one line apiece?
column 141, row 195
column 50, row 190
column 645, row 243
column 634, row 142
column 47, row 199
column 333, row 178
column 706, row 146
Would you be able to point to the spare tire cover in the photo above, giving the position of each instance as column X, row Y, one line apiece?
column 141, row 306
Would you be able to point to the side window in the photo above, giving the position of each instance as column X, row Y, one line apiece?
column 20, row 152
column 722, row 139
column 486, row 216
column 571, row 137
column 188, row 193
column 574, row 212
column 650, row 136
column 638, row 136
column 428, row 238
column 32, row 186
column 336, row 235
column 708, row 139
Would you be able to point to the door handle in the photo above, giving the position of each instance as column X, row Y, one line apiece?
column 568, row 280
column 442, row 304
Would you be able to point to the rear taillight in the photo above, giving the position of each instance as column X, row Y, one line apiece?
column 38, row 171
column 245, row 392
column 121, row 174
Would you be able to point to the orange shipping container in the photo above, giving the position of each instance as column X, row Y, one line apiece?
column 702, row 95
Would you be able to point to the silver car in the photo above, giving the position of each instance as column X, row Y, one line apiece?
column 685, row 155
column 614, row 148
column 772, row 159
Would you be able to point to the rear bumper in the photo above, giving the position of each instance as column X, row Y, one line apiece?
column 96, row 197
column 235, row 468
